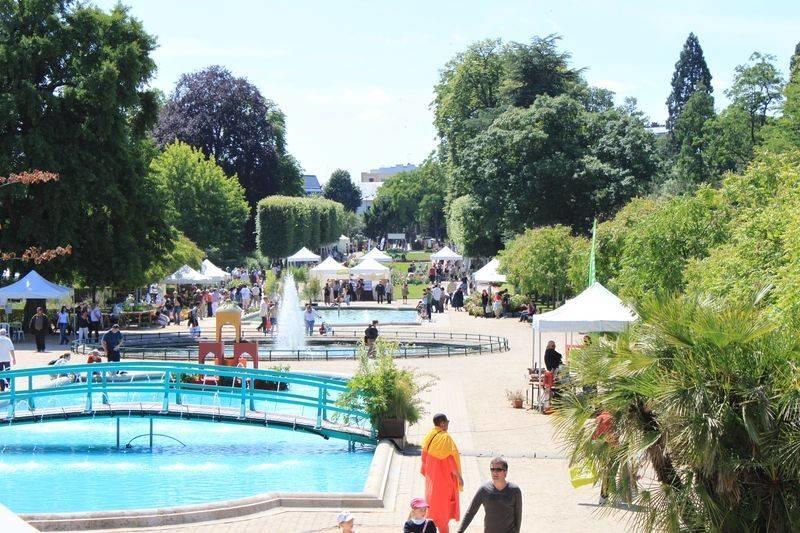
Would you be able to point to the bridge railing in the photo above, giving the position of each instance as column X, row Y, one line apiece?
column 90, row 380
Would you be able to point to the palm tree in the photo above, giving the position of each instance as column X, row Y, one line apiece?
column 705, row 403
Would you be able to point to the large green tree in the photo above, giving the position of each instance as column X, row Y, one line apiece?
column 74, row 100
column 689, row 139
column 691, row 75
column 340, row 188
column 758, row 89
column 411, row 202
column 209, row 207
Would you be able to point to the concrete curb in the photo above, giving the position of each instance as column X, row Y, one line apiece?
column 372, row 497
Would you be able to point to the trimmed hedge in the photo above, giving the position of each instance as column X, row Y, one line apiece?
column 287, row 223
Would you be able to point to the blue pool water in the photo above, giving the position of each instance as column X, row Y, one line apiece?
column 348, row 316
column 75, row 466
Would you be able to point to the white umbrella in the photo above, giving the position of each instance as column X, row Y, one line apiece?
column 304, row 255
column 186, row 275
column 330, row 268
column 378, row 256
column 488, row 274
column 212, row 271
column 446, row 254
column 369, row 267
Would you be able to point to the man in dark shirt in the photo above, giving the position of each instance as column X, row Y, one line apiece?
column 370, row 336
column 501, row 500
column 112, row 341
column 552, row 359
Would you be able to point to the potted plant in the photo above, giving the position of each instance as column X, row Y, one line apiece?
column 516, row 398
column 388, row 394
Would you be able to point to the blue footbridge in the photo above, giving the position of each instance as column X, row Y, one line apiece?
column 186, row 391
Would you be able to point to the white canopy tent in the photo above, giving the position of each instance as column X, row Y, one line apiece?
column 330, row 269
column 596, row 309
column 186, row 275
column 370, row 268
column 304, row 255
column 488, row 274
column 34, row 286
column 446, row 254
column 342, row 243
column 378, row 256
column 212, row 271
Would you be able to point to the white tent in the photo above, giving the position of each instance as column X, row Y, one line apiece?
column 212, row 271
column 186, row 275
column 446, row 254
column 596, row 309
column 34, row 286
column 370, row 267
column 330, row 269
column 304, row 255
column 378, row 256
column 344, row 238
column 488, row 274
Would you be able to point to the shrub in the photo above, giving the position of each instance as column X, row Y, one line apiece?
column 382, row 389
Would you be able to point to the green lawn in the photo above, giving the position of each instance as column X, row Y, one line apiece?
column 418, row 256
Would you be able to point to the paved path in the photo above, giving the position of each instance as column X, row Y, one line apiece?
column 471, row 391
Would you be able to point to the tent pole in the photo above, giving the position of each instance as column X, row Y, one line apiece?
column 540, row 351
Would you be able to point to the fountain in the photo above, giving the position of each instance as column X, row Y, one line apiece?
column 291, row 329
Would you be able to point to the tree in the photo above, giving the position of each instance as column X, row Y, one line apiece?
column 691, row 75
column 230, row 120
column 689, row 139
column 473, row 228
column 784, row 133
column 757, row 88
column 659, row 245
column 703, row 396
column 340, row 188
column 412, row 202
column 535, row 261
column 534, row 69
column 74, row 100
column 184, row 252
column 209, row 207
column 793, row 60
column 285, row 224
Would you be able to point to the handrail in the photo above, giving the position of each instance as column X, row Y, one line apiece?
column 169, row 388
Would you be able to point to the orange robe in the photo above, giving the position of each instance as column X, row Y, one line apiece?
column 441, row 466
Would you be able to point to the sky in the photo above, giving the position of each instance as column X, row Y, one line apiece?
column 355, row 78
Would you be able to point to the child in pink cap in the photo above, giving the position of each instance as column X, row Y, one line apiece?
column 418, row 521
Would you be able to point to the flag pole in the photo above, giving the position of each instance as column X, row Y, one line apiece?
column 592, row 254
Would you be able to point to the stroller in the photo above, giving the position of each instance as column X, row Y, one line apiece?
column 422, row 311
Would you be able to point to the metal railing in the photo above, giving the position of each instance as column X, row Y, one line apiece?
column 181, row 346
column 101, row 381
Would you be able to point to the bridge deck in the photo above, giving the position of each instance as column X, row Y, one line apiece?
column 227, row 415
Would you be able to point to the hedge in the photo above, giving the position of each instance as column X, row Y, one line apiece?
column 287, row 223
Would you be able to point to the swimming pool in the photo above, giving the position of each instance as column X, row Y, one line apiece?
column 75, row 466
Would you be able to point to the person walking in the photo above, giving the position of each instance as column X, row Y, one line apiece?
column 441, row 466
column 389, row 291
column 208, row 299
column 95, row 320
column 404, row 292
column 326, row 293
column 436, row 293
column 82, row 323
column 112, row 342
column 7, row 356
column 246, row 294
column 263, row 313
column 371, row 337
column 62, row 321
column 39, row 325
column 177, row 308
column 380, row 290
column 501, row 500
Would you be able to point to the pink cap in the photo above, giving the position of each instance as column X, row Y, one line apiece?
column 419, row 503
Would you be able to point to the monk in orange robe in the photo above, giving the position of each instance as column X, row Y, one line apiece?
column 441, row 466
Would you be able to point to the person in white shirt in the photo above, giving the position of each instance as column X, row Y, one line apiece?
column 95, row 320
column 263, row 313
column 310, row 317
column 7, row 356
column 245, row 294
column 437, row 298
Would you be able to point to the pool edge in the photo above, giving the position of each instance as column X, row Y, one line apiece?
column 372, row 496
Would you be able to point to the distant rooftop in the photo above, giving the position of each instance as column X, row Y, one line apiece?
column 393, row 170
column 311, row 184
